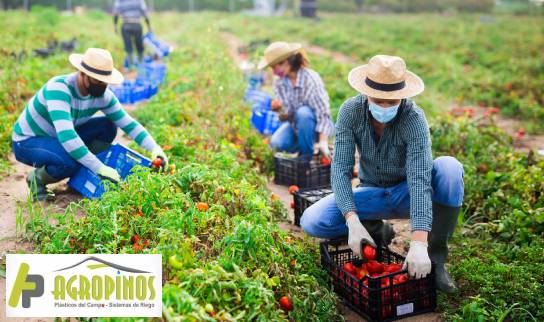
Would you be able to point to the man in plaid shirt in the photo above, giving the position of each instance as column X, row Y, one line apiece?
column 399, row 178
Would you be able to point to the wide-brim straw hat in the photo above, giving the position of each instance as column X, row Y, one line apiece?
column 277, row 52
column 385, row 77
column 98, row 64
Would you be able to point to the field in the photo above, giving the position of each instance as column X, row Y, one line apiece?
column 214, row 219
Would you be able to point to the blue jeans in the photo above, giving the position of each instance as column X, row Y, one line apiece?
column 324, row 220
column 47, row 151
column 286, row 140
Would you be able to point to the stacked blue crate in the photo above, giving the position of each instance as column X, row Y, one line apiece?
column 262, row 117
column 159, row 48
column 150, row 76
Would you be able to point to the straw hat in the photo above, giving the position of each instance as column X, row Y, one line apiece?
column 277, row 52
column 98, row 64
column 385, row 77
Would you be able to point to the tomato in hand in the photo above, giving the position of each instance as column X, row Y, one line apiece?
column 369, row 252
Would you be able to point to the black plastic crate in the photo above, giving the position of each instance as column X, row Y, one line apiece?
column 369, row 297
column 304, row 198
column 301, row 172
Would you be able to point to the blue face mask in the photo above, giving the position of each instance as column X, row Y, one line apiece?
column 381, row 114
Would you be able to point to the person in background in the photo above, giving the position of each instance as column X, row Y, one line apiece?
column 399, row 178
column 131, row 11
column 301, row 100
column 57, row 132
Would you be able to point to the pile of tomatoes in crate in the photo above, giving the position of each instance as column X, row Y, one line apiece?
column 375, row 269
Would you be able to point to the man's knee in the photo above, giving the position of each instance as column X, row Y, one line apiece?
column 276, row 142
column 304, row 113
column 308, row 221
column 110, row 130
column 448, row 181
column 66, row 170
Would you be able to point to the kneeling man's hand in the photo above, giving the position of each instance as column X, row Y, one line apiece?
column 417, row 260
column 357, row 233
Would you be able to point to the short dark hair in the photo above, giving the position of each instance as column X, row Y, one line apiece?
column 297, row 61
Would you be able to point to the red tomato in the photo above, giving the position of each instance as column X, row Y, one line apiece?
column 360, row 273
column 374, row 267
column 285, row 303
column 325, row 161
column 275, row 104
column 350, row 268
column 157, row 163
column 293, row 189
column 369, row 252
column 392, row 268
column 399, row 279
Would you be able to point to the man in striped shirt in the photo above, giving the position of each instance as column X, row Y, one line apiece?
column 131, row 11
column 301, row 100
column 399, row 178
column 57, row 133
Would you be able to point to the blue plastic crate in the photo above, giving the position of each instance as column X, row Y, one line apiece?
column 265, row 120
column 152, row 72
column 123, row 92
column 255, row 81
column 158, row 47
column 258, row 97
column 153, row 89
column 119, row 157
column 139, row 92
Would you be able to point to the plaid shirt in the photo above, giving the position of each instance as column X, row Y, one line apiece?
column 130, row 10
column 309, row 90
column 402, row 153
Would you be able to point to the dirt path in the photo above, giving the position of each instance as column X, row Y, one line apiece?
column 511, row 127
column 334, row 55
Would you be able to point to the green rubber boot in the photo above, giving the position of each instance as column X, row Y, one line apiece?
column 37, row 180
column 444, row 223
column 381, row 232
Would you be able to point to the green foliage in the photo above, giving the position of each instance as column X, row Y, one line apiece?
column 228, row 259
column 497, row 283
column 461, row 58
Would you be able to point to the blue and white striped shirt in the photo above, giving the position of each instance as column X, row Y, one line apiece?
column 130, row 10
column 402, row 153
column 309, row 90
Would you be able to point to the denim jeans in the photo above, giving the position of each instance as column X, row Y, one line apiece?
column 324, row 220
column 286, row 140
column 45, row 151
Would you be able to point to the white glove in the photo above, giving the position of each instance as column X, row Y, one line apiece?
column 159, row 153
column 417, row 260
column 357, row 233
column 323, row 146
column 109, row 173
